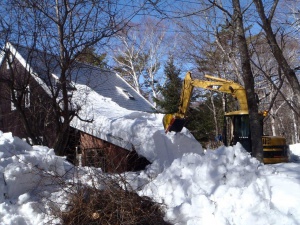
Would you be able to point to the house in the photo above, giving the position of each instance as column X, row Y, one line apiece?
column 31, row 78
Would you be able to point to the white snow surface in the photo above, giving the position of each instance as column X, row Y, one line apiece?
column 220, row 186
column 126, row 128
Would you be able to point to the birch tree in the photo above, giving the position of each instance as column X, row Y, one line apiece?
column 138, row 58
column 131, row 58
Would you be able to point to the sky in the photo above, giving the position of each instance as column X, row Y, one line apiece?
column 223, row 186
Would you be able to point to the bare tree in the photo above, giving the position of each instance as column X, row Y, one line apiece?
column 139, row 55
column 157, row 44
column 273, row 88
column 254, row 118
column 266, row 24
column 64, row 29
column 131, row 58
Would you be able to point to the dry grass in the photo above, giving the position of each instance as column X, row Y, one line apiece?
column 111, row 206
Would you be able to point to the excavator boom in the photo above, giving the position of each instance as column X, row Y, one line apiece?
column 274, row 148
column 176, row 121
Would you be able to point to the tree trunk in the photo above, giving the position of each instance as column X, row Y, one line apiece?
column 277, row 52
column 272, row 118
column 61, row 141
column 214, row 114
column 254, row 118
column 295, row 127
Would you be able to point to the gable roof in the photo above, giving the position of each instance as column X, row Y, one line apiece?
column 103, row 81
column 93, row 86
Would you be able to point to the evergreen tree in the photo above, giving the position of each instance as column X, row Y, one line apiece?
column 89, row 55
column 170, row 92
column 200, row 121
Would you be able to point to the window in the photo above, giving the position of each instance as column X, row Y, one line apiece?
column 13, row 107
column 25, row 95
column 242, row 127
column 9, row 61
column 125, row 93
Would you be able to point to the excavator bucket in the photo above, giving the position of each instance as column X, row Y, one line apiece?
column 173, row 123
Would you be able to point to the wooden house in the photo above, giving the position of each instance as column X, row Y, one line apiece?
column 37, row 72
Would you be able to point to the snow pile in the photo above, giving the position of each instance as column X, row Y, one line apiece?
column 25, row 173
column 227, row 186
column 295, row 149
column 222, row 186
column 295, row 152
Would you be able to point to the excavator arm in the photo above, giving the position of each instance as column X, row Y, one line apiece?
column 176, row 121
column 275, row 149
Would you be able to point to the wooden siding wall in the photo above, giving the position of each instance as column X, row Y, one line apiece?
column 109, row 157
column 9, row 119
column 39, row 113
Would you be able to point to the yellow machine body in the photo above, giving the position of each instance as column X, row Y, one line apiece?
column 274, row 148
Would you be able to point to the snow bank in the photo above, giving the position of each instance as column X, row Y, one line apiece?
column 25, row 172
column 225, row 186
column 295, row 149
column 222, row 186
column 295, row 152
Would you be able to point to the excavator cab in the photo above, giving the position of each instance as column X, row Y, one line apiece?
column 237, row 129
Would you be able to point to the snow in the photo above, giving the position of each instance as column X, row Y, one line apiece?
column 220, row 186
column 227, row 186
column 126, row 128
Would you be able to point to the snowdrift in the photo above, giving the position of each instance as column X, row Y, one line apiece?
column 227, row 186
column 25, row 173
column 222, row 186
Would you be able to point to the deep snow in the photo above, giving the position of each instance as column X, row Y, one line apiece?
column 221, row 186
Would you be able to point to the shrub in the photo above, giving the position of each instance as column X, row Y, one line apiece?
column 111, row 206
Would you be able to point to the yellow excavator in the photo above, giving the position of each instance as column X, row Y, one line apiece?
column 236, row 127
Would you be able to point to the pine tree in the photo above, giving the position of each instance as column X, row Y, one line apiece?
column 200, row 121
column 89, row 55
column 170, row 92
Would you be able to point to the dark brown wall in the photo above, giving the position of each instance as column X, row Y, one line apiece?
column 39, row 113
column 9, row 120
column 111, row 158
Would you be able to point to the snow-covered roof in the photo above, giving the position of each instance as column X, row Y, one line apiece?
column 103, row 81
column 101, row 98
column 101, row 94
